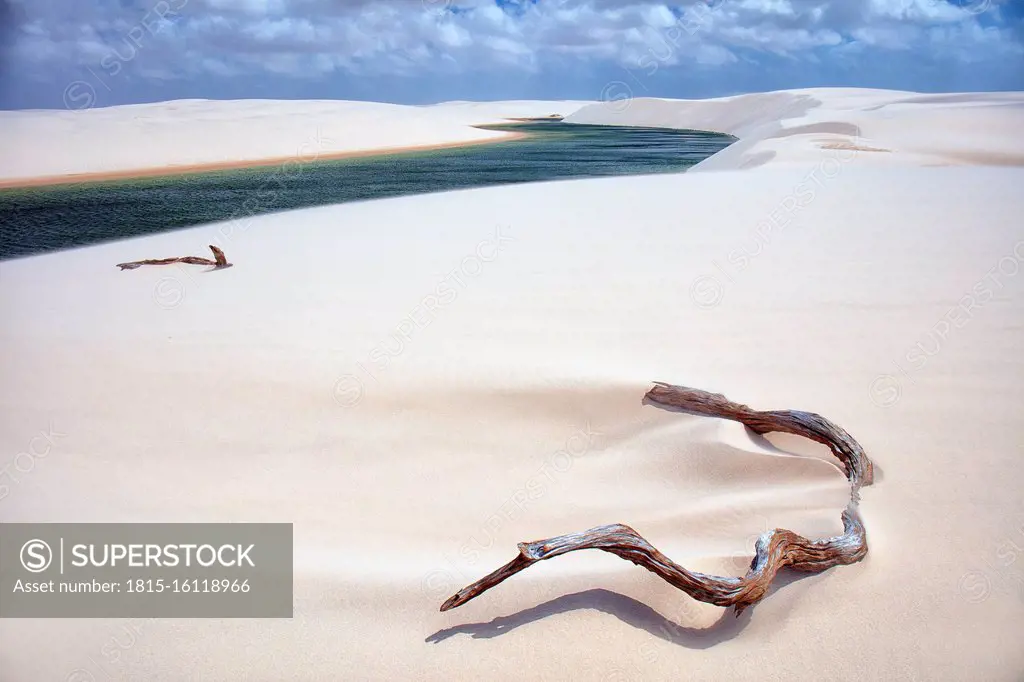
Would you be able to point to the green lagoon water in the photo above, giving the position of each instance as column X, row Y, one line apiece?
column 40, row 219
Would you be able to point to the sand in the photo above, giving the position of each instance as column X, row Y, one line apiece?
column 793, row 127
column 52, row 146
column 284, row 162
column 420, row 383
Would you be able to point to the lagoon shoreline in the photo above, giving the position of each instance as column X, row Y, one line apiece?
column 172, row 171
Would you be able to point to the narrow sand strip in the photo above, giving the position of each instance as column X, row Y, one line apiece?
column 41, row 146
column 161, row 171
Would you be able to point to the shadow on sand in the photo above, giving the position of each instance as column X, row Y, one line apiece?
column 627, row 610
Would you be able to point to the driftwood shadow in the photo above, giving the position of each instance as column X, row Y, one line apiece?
column 627, row 610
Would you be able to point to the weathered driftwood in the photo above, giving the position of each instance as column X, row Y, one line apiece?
column 219, row 260
column 774, row 550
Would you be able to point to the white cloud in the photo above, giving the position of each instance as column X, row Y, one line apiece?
column 304, row 37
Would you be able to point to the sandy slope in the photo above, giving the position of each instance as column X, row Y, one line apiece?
column 890, row 127
column 186, row 133
column 420, row 383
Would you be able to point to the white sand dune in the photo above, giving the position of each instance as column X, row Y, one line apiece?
column 402, row 379
column 794, row 126
column 186, row 133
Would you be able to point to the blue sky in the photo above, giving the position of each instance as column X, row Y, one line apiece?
column 78, row 53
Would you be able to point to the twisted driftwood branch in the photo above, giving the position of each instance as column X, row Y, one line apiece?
column 220, row 261
column 774, row 550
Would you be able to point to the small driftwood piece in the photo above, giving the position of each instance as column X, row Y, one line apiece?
column 774, row 550
column 219, row 260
